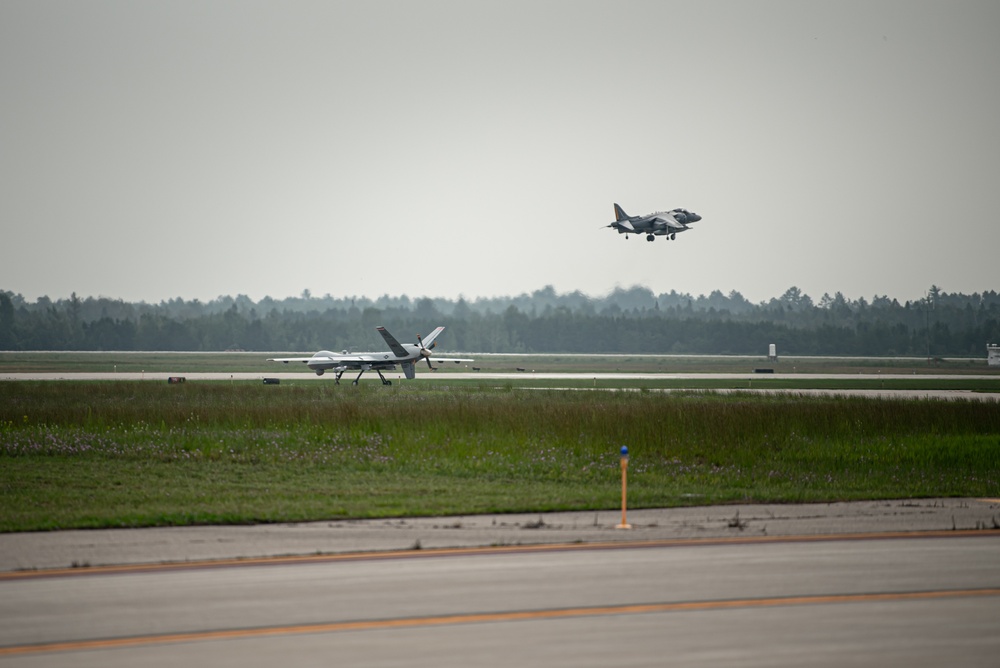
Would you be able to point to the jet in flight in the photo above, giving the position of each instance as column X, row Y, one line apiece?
column 403, row 354
column 658, row 224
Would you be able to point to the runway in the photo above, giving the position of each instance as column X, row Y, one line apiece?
column 397, row 376
column 754, row 383
column 922, row 601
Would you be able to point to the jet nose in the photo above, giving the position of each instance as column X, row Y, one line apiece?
column 693, row 217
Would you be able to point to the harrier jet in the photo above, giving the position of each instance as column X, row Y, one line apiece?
column 403, row 354
column 658, row 224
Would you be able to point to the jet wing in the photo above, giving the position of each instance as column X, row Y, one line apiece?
column 669, row 221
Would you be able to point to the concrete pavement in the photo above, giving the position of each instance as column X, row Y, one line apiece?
column 90, row 548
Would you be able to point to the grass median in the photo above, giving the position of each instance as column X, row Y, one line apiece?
column 109, row 454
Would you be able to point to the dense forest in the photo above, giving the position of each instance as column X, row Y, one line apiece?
column 633, row 320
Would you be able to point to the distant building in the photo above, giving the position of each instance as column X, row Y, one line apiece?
column 772, row 352
column 993, row 354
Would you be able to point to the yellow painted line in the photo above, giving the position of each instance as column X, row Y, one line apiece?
column 481, row 618
column 503, row 549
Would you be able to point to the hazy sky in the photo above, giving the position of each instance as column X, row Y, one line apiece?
column 151, row 150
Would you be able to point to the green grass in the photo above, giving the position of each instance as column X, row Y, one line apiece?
column 150, row 454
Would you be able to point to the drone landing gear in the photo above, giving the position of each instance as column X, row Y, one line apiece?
column 385, row 381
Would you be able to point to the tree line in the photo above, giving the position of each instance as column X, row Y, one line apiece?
column 628, row 320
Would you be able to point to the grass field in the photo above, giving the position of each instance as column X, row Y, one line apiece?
column 103, row 454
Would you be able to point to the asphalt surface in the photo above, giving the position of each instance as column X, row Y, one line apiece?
column 908, row 583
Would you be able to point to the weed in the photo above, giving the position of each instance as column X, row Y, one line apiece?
column 737, row 523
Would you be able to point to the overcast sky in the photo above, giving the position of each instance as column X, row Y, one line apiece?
column 152, row 150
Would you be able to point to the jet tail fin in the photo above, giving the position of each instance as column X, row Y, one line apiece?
column 620, row 214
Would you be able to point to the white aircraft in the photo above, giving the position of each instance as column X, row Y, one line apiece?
column 403, row 354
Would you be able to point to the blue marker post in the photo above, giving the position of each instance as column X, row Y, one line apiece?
column 624, row 452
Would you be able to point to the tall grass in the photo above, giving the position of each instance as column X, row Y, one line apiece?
column 111, row 454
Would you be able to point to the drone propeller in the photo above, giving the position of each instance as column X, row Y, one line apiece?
column 426, row 351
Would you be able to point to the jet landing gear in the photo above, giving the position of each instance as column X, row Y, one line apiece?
column 650, row 237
